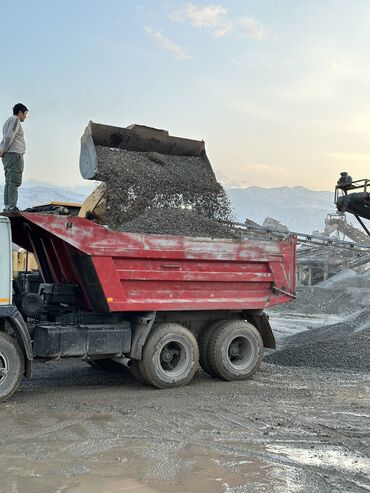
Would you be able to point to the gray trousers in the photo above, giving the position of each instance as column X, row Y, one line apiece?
column 13, row 169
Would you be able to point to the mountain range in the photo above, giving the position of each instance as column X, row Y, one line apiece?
column 299, row 208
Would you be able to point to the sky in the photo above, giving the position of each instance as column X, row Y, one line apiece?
column 278, row 89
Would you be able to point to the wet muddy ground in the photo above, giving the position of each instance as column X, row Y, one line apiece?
column 73, row 428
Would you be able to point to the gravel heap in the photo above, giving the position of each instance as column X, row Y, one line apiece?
column 344, row 345
column 347, row 352
column 178, row 221
column 340, row 279
column 347, row 278
column 316, row 300
column 147, row 192
column 356, row 322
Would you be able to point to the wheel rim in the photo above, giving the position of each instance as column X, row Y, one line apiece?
column 173, row 358
column 4, row 367
column 240, row 353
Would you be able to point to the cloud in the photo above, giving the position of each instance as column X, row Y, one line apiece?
column 349, row 156
column 202, row 17
column 222, row 31
column 216, row 19
column 167, row 45
column 213, row 17
column 253, row 29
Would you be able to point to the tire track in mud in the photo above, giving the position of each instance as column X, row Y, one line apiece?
column 210, row 436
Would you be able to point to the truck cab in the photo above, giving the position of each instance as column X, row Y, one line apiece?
column 15, row 342
column 5, row 263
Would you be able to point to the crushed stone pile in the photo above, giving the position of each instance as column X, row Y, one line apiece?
column 346, row 278
column 339, row 278
column 350, row 352
column 316, row 300
column 148, row 192
column 356, row 322
column 343, row 345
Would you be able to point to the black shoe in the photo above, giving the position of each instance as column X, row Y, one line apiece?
column 13, row 209
column 5, row 209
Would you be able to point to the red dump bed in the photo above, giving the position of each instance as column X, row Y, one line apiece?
column 119, row 271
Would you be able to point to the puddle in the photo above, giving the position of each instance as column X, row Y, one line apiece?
column 326, row 458
column 96, row 485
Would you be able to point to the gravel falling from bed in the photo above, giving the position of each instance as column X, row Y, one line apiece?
column 147, row 192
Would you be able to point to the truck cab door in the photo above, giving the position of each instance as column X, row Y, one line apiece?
column 5, row 262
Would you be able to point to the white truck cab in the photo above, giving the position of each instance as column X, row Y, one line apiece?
column 15, row 342
column 5, row 262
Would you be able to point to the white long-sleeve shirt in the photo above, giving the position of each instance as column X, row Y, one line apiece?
column 13, row 136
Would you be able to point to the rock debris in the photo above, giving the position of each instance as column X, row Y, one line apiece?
column 343, row 345
column 148, row 192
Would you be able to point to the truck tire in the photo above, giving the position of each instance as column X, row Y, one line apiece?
column 11, row 366
column 135, row 370
column 170, row 356
column 203, row 342
column 235, row 350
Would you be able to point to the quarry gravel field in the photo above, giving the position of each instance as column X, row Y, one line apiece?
column 74, row 428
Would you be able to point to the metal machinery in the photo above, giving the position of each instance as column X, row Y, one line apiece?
column 349, row 199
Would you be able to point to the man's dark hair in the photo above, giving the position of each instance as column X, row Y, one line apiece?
column 19, row 107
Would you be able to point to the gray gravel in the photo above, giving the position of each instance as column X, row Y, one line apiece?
column 351, row 352
column 179, row 222
column 316, row 300
column 139, row 183
column 348, row 325
column 344, row 344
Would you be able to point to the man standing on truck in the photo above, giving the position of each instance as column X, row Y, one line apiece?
column 12, row 149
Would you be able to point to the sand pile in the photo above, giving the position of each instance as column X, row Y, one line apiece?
column 155, row 193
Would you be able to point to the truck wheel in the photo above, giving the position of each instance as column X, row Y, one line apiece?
column 11, row 366
column 170, row 356
column 203, row 342
column 135, row 370
column 235, row 350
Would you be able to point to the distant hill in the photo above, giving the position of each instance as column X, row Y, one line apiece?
column 297, row 207
column 35, row 193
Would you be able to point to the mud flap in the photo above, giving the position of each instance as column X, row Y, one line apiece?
column 261, row 322
column 141, row 328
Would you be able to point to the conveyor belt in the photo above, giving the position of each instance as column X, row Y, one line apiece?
column 304, row 238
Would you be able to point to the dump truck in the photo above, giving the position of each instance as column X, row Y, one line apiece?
column 158, row 305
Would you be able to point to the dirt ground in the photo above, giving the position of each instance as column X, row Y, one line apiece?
column 74, row 428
